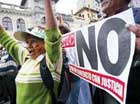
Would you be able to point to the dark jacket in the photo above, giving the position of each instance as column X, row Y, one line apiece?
column 133, row 88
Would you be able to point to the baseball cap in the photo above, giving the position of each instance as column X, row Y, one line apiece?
column 35, row 31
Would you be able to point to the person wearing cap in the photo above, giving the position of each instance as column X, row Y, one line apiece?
column 40, row 43
column 112, row 7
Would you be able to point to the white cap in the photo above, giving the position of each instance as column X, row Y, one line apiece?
column 36, row 31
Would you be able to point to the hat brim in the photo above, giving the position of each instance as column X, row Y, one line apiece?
column 36, row 32
column 20, row 35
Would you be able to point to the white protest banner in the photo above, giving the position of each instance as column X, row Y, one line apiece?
column 102, row 53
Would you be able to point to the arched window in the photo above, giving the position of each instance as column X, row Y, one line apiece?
column 43, row 20
column 20, row 25
column 7, row 23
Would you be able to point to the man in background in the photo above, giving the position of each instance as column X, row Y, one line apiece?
column 112, row 7
column 8, row 71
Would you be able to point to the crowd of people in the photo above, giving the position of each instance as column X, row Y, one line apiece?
column 45, row 43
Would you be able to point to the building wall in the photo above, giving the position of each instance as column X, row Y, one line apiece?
column 93, row 4
column 32, row 14
column 37, row 10
column 14, row 13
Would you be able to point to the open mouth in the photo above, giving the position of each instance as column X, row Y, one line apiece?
column 31, row 52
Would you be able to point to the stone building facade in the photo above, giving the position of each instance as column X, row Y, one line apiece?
column 31, row 13
column 13, row 18
column 18, row 18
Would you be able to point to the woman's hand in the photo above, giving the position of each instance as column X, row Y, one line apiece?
column 136, row 30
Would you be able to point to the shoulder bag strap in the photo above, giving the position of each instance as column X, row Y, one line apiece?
column 47, row 79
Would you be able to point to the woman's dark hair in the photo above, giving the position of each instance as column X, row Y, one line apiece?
column 64, row 29
column 128, row 1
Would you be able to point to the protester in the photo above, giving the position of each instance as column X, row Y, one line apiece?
column 66, row 77
column 74, row 90
column 69, row 85
column 64, row 29
column 40, row 43
column 8, row 72
column 112, row 7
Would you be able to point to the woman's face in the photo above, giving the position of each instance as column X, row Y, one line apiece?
column 35, row 46
column 111, row 6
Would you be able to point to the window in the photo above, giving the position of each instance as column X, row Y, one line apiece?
column 83, row 15
column 88, row 15
column 20, row 25
column 43, row 20
column 79, row 15
column 7, row 23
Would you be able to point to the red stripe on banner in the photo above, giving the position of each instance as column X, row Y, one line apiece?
column 109, row 83
column 68, row 40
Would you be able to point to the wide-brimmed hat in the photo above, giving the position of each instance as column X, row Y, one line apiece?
column 35, row 31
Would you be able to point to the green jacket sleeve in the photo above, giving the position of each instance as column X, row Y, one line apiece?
column 52, row 44
column 15, row 50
